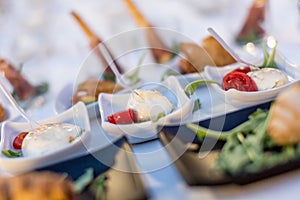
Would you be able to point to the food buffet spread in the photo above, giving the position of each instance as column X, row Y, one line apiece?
column 149, row 100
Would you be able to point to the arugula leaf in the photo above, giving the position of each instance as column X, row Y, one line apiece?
column 197, row 105
column 269, row 60
column 175, row 49
column 41, row 88
column 109, row 77
column 134, row 77
column 169, row 72
column 160, row 115
column 191, row 87
column 11, row 154
column 84, row 180
column 248, row 148
column 99, row 186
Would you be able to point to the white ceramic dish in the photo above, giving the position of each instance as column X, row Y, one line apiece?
column 244, row 98
column 140, row 132
column 76, row 115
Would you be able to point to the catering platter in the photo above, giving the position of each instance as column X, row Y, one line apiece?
column 196, row 161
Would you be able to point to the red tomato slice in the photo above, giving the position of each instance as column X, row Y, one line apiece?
column 239, row 81
column 123, row 117
column 17, row 143
column 245, row 69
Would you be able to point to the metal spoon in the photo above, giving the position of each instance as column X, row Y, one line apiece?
column 11, row 99
column 228, row 48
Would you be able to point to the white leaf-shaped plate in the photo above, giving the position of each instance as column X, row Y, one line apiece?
column 75, row 115
column 140, row 132
column 234, row 96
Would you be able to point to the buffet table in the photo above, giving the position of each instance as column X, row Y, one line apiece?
column 57, row 54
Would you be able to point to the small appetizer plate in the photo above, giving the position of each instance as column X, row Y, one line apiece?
column 76, row 115
column 144, row 131
column 234, row 96
column 63, row 102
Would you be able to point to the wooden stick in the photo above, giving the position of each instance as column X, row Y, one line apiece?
column 159, row 50
column 137, row 15
column 94, row 41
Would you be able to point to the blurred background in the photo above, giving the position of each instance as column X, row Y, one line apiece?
column 43, row 36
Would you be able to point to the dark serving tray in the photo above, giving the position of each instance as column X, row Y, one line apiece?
column 198, row 171
column 120, row 184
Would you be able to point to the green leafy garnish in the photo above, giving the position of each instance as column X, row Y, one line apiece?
column 175, row 49
column 169, row 72
column 134, row 77
column 84, row 180
column 269, row 58
column 10, row 153
column 41, row 88
column 248, row 148
column 160, row 115
column 20, row 67
column 99, row 186
column 191, row 87
column 197, row 105
column 252, row 36
column 109, row 77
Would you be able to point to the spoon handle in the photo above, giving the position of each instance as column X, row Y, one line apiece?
column 11, row 99
column 112, row 65
column 226, row 46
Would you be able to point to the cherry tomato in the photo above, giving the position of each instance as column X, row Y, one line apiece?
column 239, row 81
column 245, row 69
column 123, row 117
column 17, row 143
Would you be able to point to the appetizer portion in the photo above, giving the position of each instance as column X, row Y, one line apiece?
column 160, row 51
column 45, row 139
column 284, row 127
column 89, row 90
column 264, row 77
column 252, row 29
column 22, row 88
column 267, row 139
column 37, row 185
column 245, row 79
column 3, row 114
column 143, row 105
column 210, row 53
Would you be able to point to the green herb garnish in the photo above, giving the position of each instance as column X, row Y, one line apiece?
column 84, row 180
column 169, row 72
column 175, row 49
column 134, row 77
column 248, row 147
column 109, row 77
column 197, row 105
column 269, row 57
column 10, row 153
column 99, row 186
column 160, row 115
column 191, row 87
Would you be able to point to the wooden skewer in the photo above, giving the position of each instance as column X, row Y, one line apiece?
column 94, row 41
column 137, row 15
column 159, row 50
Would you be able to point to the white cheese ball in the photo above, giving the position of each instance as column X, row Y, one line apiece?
column 48, row 138
column 268, row 78
column 149, row 105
